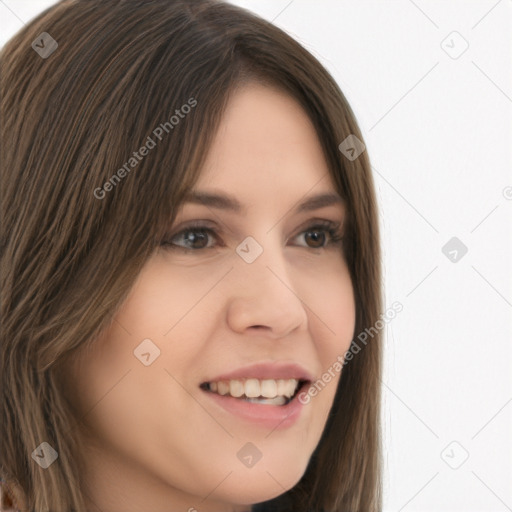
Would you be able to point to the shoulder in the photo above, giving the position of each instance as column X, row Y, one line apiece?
column 9, row 502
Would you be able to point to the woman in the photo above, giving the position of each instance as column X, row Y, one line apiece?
column 189, row 247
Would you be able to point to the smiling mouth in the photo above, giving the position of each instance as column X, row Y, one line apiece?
column 264, row 391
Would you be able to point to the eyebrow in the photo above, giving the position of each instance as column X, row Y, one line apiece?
column 227, row 202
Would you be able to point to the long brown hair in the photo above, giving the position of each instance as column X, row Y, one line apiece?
column 74, row 238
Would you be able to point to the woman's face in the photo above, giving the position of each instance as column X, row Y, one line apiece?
column 262, row 292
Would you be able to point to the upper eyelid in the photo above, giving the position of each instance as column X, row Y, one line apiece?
column 204, row 223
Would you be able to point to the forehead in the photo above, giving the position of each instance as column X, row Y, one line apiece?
column 265, row 144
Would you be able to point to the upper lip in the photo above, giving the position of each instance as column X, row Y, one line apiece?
column 275, row 370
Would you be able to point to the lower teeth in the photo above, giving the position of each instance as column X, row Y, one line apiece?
column 278, row 400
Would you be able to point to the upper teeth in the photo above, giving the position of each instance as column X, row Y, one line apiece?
column 253, row 388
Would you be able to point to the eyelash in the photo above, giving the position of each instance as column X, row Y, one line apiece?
column 328, row 227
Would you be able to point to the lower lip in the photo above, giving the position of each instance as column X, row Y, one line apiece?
column 275, row 417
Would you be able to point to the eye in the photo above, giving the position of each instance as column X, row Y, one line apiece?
column 192, row 238
column 320, row 235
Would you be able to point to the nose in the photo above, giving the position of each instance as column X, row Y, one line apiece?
column 263, row 298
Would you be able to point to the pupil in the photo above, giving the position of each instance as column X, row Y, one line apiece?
column 193, row 238
column 316, row 238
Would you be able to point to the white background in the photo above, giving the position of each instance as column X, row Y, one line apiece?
column 439, row 134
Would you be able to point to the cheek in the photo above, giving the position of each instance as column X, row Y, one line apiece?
column 332, row 316
column 109, row 378
column 165, row 297
column 158, row 299
column 332, row 324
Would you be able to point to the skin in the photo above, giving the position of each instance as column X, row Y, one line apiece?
column 155, row 440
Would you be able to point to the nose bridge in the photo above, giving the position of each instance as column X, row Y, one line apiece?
column 263, row 294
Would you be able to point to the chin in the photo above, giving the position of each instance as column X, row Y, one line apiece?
column 247, row 488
